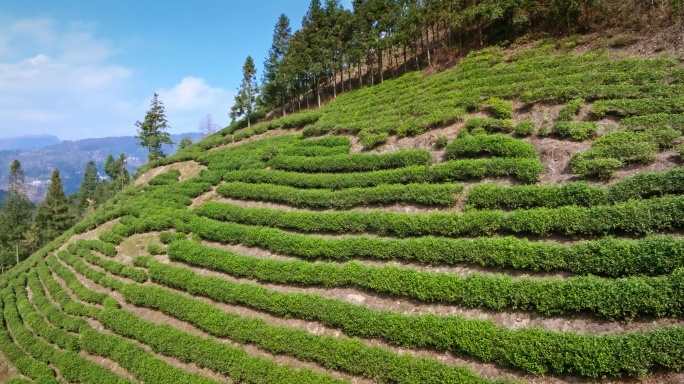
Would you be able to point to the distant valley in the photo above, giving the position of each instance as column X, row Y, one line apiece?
column 39, row 155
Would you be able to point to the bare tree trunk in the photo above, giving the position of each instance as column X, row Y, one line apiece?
column 405, row 61
column 360, row 76
column 380, row 66
column 334, row 85
column 16, row 248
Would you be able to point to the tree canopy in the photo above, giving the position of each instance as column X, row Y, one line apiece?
column 152, row 132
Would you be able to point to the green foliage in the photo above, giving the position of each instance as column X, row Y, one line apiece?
column 246, row 97
column 493, row 145
column 525, row 349
column 351, row 162
column 500, row 109
column 155, row 249
column 654, row 122
column 614, row 150
column 53, row 216
column 489, row 125
column 441, row 142
column 168, row 177
column 571, row 109
column 638, row 107
column 634, row 217
column 524, row 128
column 613, row 257
column 578, row 130
column 152, row 131
column 428, row 194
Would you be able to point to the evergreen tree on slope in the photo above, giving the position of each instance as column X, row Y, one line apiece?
column 152, row 131
column 53, row 216
column 245, row 100
column 15, row 219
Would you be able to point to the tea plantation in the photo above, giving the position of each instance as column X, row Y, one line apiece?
column 517, row 218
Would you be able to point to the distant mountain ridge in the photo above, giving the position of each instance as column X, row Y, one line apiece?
column 25, row 142
column 71, row 157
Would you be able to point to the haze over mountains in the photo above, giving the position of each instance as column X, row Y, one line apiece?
column 40, row 154
column 28, row 142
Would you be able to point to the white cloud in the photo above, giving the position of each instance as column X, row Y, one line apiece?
column 57, row 80
column 191, row 99
column 194, row 93
column 63, row 80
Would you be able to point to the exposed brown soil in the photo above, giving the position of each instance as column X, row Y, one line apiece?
column 665, row 160
column 110, row 365
column 7, row 370
column 397, row 208
column 460, row 270
column 555, row 155
column 89, row 235
column 188, row 169
column 135, row 245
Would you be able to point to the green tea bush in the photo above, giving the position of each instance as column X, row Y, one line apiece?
column 654, row 122
column 500, row 109
column 489, row 125
column 602, row 167
column 494, row 145
column 155, row 249
column 634, row 217
column 166, row 178
column 495, row 292
column 428, row 194
column 652, row 256
column 524, row 128
column 351, row 162
column 571, row 110
column 441, row 142
column 526, row 349
column 638, row 107
column 578, row 130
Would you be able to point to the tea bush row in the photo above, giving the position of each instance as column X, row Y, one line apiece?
column 534, row 350
column 609, row 256
column 351, row 162
column 639, row 186
column 428, row 194
column 634, row 217
column 493, row 145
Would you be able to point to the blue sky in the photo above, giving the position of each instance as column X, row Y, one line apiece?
column 79, row 69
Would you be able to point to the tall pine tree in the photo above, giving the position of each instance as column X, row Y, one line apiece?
column 245, row 100
column 152, row 131
column 53, row 215
column 86, row 193
column 15, row 219
column 274, row 83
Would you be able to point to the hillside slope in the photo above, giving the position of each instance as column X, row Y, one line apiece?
column 515, row 219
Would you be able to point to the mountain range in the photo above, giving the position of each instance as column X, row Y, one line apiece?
column 70, row 157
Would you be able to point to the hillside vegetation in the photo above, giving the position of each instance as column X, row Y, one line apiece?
column 514, row 219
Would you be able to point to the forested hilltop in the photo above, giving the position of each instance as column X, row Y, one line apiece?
column 337, row 49
column 514, row 218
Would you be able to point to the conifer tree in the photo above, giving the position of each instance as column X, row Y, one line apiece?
column 86, row 193
column 15, row 219
column 274, row 83
column 185, row 142
column 245, row 100
column 117, row 172
column 152, row 131
column 53, row 215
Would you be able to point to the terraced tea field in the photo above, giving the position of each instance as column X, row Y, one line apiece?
column 515, row 219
